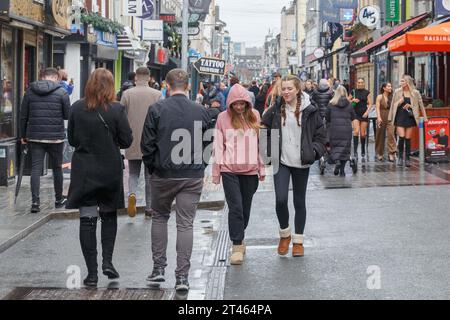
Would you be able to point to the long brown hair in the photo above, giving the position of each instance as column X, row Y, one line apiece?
column 298, row 86
column 99, row 91
column 248, row 118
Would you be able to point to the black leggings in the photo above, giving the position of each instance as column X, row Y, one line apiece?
column 299, row 184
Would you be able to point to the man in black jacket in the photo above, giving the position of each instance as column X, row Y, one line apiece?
column 172, row 148
column 44, row 108
column 130, row 83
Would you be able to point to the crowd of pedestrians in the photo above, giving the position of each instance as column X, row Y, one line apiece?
column 304, row 120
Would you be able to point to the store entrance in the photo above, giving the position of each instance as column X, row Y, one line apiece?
column 29, row 66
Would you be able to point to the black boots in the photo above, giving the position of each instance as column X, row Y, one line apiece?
column 109, row 231
column 401, row 144
column 337, row 167
column 88, row 241
column 363, row 147
column 342, row 169
column 407, row 152
column 355, row 146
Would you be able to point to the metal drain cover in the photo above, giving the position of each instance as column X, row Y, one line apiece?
column 29, row 293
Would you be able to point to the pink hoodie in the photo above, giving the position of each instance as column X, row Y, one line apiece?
column 236, row 151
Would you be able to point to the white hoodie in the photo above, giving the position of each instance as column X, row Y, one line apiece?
column 291, row 143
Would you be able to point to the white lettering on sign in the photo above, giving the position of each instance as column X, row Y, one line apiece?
column 213, row 63
column 132, row 8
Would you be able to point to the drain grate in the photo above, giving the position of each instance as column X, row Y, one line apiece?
column 30, row 293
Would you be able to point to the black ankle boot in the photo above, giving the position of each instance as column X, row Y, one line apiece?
column 355, row 146
column 401, row 145
column 108, row 232
column 336, row 168
column 342, row 169
column 407, row 152
column 88, row 242
column 363, row 147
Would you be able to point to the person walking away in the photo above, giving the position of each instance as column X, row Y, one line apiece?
column 274, row 96
column 214, row 111
column 339, row 116
column 322, row 96
column 302, row 141
column 362, row 101
column 44, row 108
column 254, row 88
column 405, row 112
column 260, row 99
column 237, row 160
column 136, row 101
column 233, row 80
column 172, row 178
column 130, row 83
column 164, row 89
column 250, row 93
column 309, row 87
column 98, row 127
column 64, row 81
column 385, row 130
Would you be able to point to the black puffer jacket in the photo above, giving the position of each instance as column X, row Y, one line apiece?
column 339, row 118
column 44, row 108
column 313, row 138
column 322, row 96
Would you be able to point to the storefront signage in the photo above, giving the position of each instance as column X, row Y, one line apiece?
column 207, row 65
column 169, row 6
column 106, row 39
column 192, row 31
column 442, row 7
column 152, row 30
column 199, row 6
column 148, row 8
column 319, row 53
column 132, row 8
column 392, row 10
column 59, row 13
column 369, row 16
column 436, row 139
column 167, row 17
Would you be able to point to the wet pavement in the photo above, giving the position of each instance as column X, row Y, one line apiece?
column 384, row 216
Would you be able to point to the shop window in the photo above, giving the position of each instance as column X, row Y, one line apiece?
column 6, row 84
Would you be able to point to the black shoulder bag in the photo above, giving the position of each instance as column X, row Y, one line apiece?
column 109, row 131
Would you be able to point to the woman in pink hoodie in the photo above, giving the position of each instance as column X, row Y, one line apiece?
column 237, row 160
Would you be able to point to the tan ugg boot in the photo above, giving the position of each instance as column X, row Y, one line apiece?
column 297, row 247
column 237, row 254
column 285, row 241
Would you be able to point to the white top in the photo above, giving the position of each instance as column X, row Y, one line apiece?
column 291, row 144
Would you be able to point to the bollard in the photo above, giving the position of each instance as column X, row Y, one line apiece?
column 421, row 141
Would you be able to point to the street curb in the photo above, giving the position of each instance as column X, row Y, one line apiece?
column 74, row 214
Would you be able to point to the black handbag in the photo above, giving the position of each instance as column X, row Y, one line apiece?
column 109, row 131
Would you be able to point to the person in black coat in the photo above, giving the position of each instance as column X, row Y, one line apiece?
column 322, row 96
column 44, row 108
column 98, row 127
column 339, row 116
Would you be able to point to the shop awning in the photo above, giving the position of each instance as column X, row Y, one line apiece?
column 126, row 41
column 430, row 39
column 382, row 40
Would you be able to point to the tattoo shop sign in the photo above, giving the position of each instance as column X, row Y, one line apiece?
column 211, row 66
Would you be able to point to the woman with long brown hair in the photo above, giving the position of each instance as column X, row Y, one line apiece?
column 385, row 128
column 237, row 160
column 98, row 128
column 404, row 113
column 302, row 141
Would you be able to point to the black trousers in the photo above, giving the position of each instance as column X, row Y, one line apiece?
column 239, row 191
column 299, row 184
column 38, row 151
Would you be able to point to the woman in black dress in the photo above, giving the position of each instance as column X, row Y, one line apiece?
column 405, row 112
column 361, row 99
column 98, row 127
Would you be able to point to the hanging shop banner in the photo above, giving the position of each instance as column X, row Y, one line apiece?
column 335, row 31
column 132, row 8
column 436, row 139
column 152, row 30
column 213, row 66
column 369, row 16
column 148, row 8
column 393, row 10
column 442, row 7
column 328, row 12
column 199, row 6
